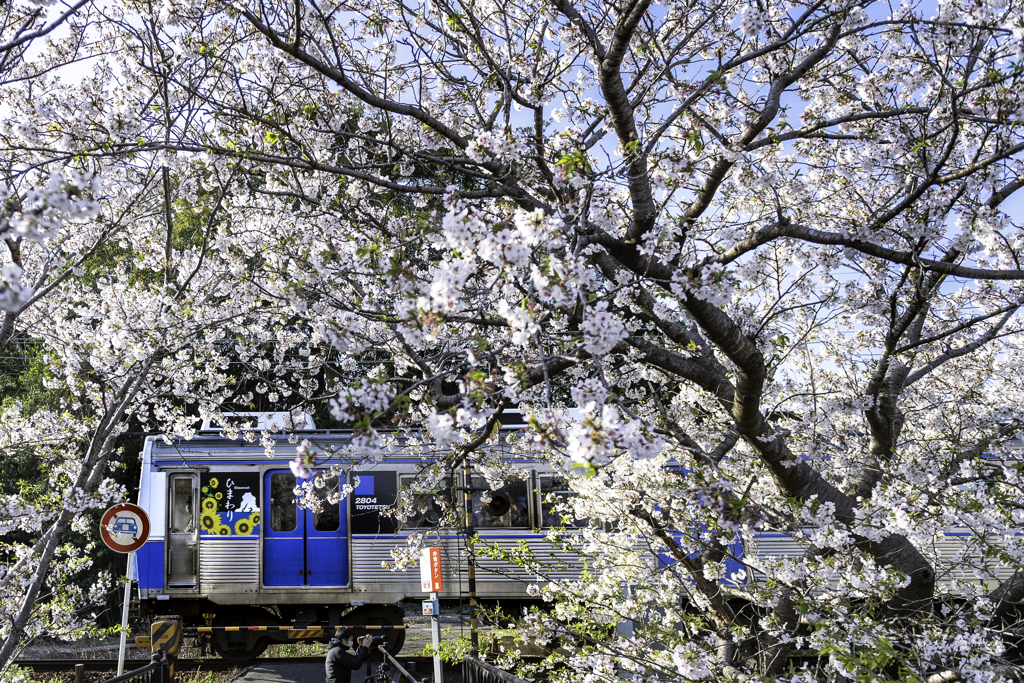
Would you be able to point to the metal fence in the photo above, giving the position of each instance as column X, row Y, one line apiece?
column 475, row 671
column 157, row 671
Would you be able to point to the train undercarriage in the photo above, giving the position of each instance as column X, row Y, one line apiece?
column 240, row 633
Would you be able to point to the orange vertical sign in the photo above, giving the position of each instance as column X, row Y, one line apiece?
column 430, row 570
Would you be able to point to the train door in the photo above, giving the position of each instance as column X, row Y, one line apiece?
column 182, row 531
column 327, row 544
column 283, row 544
column 302, row 547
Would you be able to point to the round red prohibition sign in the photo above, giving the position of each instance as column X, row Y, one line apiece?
column 124, row 528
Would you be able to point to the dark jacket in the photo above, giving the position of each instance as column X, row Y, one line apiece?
column 340, row 663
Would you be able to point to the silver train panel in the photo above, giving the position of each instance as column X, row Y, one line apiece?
column 370, row 558
column 235, row 561
column 953, row 555
column 956, row 556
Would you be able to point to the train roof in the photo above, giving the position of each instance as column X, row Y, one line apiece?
column 210, row 444
column 286, row 430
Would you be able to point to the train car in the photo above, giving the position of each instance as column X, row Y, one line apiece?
column 232, row 546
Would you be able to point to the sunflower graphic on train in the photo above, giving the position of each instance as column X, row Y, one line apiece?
column 229, row 505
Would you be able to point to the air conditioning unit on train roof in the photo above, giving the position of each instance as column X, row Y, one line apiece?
column 272, row 422
column 512, row 419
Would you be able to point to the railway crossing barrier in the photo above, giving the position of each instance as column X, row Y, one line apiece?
column 365, row 627
column 294, row 632
column 165, row 636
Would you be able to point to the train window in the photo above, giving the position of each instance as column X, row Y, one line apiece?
column 506, row 508
column 182, row 520
column 554, row 491
column 283, row 515
column 428, row 508
column 329, row 518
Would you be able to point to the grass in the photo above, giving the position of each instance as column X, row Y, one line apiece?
column 300, row 649
column 21, row 675
column 200, row 676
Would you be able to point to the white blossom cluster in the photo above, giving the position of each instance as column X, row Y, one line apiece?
column 490, row 146
column 43, row 208
column 602, row 434
column 13, row 292
column 601, row 330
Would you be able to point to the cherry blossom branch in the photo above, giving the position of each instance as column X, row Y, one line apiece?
column 339, row 77
column 792, row 230
column 87, row 480
column 710, row 590
column 39, row 33
column 961, row 351
column 966, row 325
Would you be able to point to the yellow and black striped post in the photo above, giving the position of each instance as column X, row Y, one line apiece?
column 474, row 639
column 165, row 635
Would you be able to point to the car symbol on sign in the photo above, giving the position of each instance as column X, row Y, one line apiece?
column 124, row 525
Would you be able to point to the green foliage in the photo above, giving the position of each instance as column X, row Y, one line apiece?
column 189, row 225
column 22, row 381
column 297, row 649
column 15, row 674
column 23, row 374
column 576, row 160
column 875, row 663
column 451, row 650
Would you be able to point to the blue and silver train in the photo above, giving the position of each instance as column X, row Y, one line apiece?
column 231, row 546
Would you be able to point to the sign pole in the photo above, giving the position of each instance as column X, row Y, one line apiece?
column 124, row 614
column 124, row 528
column 432, row 582
column 435, row 637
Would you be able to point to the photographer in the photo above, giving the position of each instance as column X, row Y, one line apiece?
column 340, row 663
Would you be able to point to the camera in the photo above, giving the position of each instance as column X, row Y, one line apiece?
column 377, row 640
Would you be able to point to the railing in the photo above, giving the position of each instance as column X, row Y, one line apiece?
column 475, row 671
column 157, row 671
column 383, row 674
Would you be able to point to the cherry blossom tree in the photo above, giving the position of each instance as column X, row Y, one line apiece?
column 140, row 336
column 769, row 251
column 112, row 276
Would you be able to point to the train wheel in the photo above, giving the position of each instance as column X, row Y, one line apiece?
column 395, row 641
column 241, row 646
column 239, row 653
column 383, row 615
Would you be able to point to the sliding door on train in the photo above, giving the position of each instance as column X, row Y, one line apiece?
column 302, row 547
